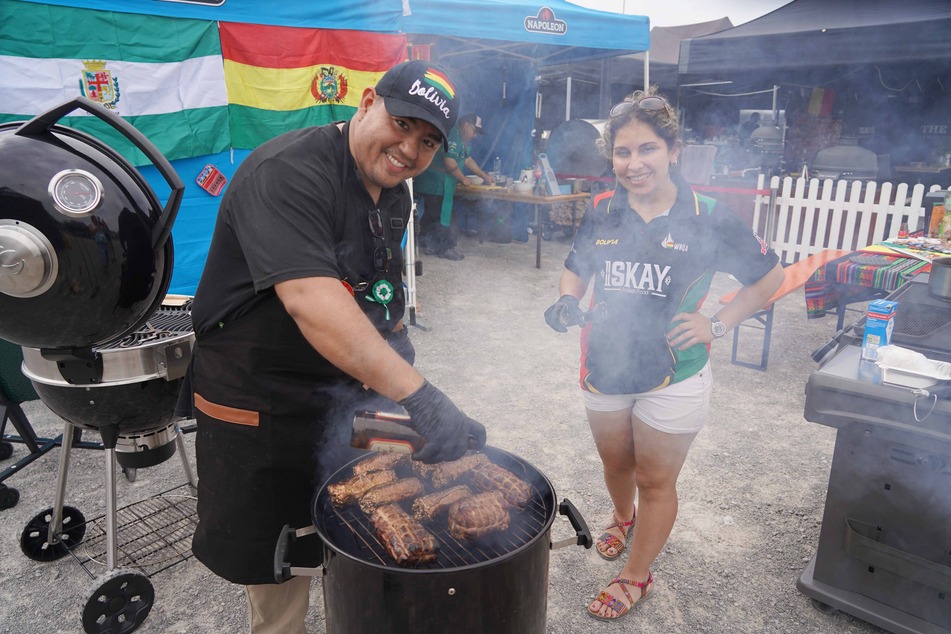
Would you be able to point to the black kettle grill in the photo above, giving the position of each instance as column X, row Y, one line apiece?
column 85, row 263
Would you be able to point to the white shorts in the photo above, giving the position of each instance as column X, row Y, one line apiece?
column 680, row 408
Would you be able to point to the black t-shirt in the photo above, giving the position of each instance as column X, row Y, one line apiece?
column 644, row 274
column 296, row 208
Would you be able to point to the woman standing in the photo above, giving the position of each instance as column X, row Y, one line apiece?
column 651, row 247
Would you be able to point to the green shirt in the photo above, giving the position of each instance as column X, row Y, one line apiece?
column 435, row 179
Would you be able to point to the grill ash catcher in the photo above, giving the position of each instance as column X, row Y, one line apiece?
column 85, row 264
column 494, row 583
column 884, row 551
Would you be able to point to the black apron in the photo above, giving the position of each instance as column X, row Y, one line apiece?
column 273, row 418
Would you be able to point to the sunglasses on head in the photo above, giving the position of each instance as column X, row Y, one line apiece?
column 647, row 103
column 381, row 254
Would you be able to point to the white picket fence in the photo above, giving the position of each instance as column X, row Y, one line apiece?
column 807, row 218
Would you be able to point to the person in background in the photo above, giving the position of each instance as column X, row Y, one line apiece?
column 745, row 133
column 437, row 185
column 650, row 249
column 300, row 306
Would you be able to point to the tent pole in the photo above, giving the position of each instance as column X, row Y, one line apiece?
column 568, row 99
column 647, row 70
column 409, row 257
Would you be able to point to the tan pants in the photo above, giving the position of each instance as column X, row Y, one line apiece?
column 279, row 608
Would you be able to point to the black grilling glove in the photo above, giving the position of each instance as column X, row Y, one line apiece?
column 448, row 432
column 563, row 313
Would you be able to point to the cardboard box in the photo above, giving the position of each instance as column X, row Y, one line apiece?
column 879, row 324
column 935, row 220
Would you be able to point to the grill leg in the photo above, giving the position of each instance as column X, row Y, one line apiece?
column 110, row 436
column 56, row 524
column 111, row 550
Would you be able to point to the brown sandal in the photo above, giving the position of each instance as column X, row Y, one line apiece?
column 605, row 598
column 607, row 540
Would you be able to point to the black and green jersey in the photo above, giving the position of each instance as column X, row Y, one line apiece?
column 644, row 273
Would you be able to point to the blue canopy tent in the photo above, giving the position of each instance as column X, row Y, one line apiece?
column 496, row 48
column 381, row 16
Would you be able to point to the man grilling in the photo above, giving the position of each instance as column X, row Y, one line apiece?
column 299, row 307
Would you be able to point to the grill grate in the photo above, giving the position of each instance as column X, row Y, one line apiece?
column 525, row 525
column 151, row 535
column 918, row 320
column 165, row 323
column 350, row 530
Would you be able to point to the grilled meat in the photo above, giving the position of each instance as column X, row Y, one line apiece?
column 379, row 462
column 446, row 473
column 423, row 469
column 492, row 477
column 428, row 506
column 478, row 515
column 403, row 537
column 391, row 492
column 354, row 488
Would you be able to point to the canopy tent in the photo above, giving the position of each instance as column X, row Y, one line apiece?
column 617, row 76
column 499, row 47
column 496, row 48
column 665, row 51
column 817, row 33
column 877, row 68
column 546, row 33
column 382, row 16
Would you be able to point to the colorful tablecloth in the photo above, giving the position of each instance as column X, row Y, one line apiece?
column 858, row 276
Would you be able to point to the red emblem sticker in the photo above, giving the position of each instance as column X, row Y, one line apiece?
column 211, row 180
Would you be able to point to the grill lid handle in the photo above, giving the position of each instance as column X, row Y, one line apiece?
column 582, row 534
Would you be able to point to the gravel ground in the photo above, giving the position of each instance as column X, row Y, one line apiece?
column 751, row 494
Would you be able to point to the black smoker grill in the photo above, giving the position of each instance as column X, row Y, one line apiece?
column 845, row 162
column 884, row 551
column 496, row 583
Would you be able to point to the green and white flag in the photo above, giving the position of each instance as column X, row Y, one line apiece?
column 165, row 76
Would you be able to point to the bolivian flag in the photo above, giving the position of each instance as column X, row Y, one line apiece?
column 821, row 101
column 283, row 78
column 162, row 75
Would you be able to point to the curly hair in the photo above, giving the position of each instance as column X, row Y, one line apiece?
column 662, row 121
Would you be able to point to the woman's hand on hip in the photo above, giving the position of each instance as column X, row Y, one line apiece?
column 689, row 329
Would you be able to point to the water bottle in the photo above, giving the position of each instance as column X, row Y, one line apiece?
column 497, row 169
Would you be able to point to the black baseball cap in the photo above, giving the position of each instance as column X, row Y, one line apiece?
column 474, row 120
column 421, row 90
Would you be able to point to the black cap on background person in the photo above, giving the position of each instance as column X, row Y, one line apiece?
column 474, row 120
column 421, row 90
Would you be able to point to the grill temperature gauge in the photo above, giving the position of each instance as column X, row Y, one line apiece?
column 75, row 192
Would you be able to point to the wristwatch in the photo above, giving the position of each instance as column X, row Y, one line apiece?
column 717, row 327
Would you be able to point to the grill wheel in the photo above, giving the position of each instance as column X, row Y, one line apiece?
column 34, row 540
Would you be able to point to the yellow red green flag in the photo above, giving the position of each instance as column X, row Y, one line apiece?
column 282, row 78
